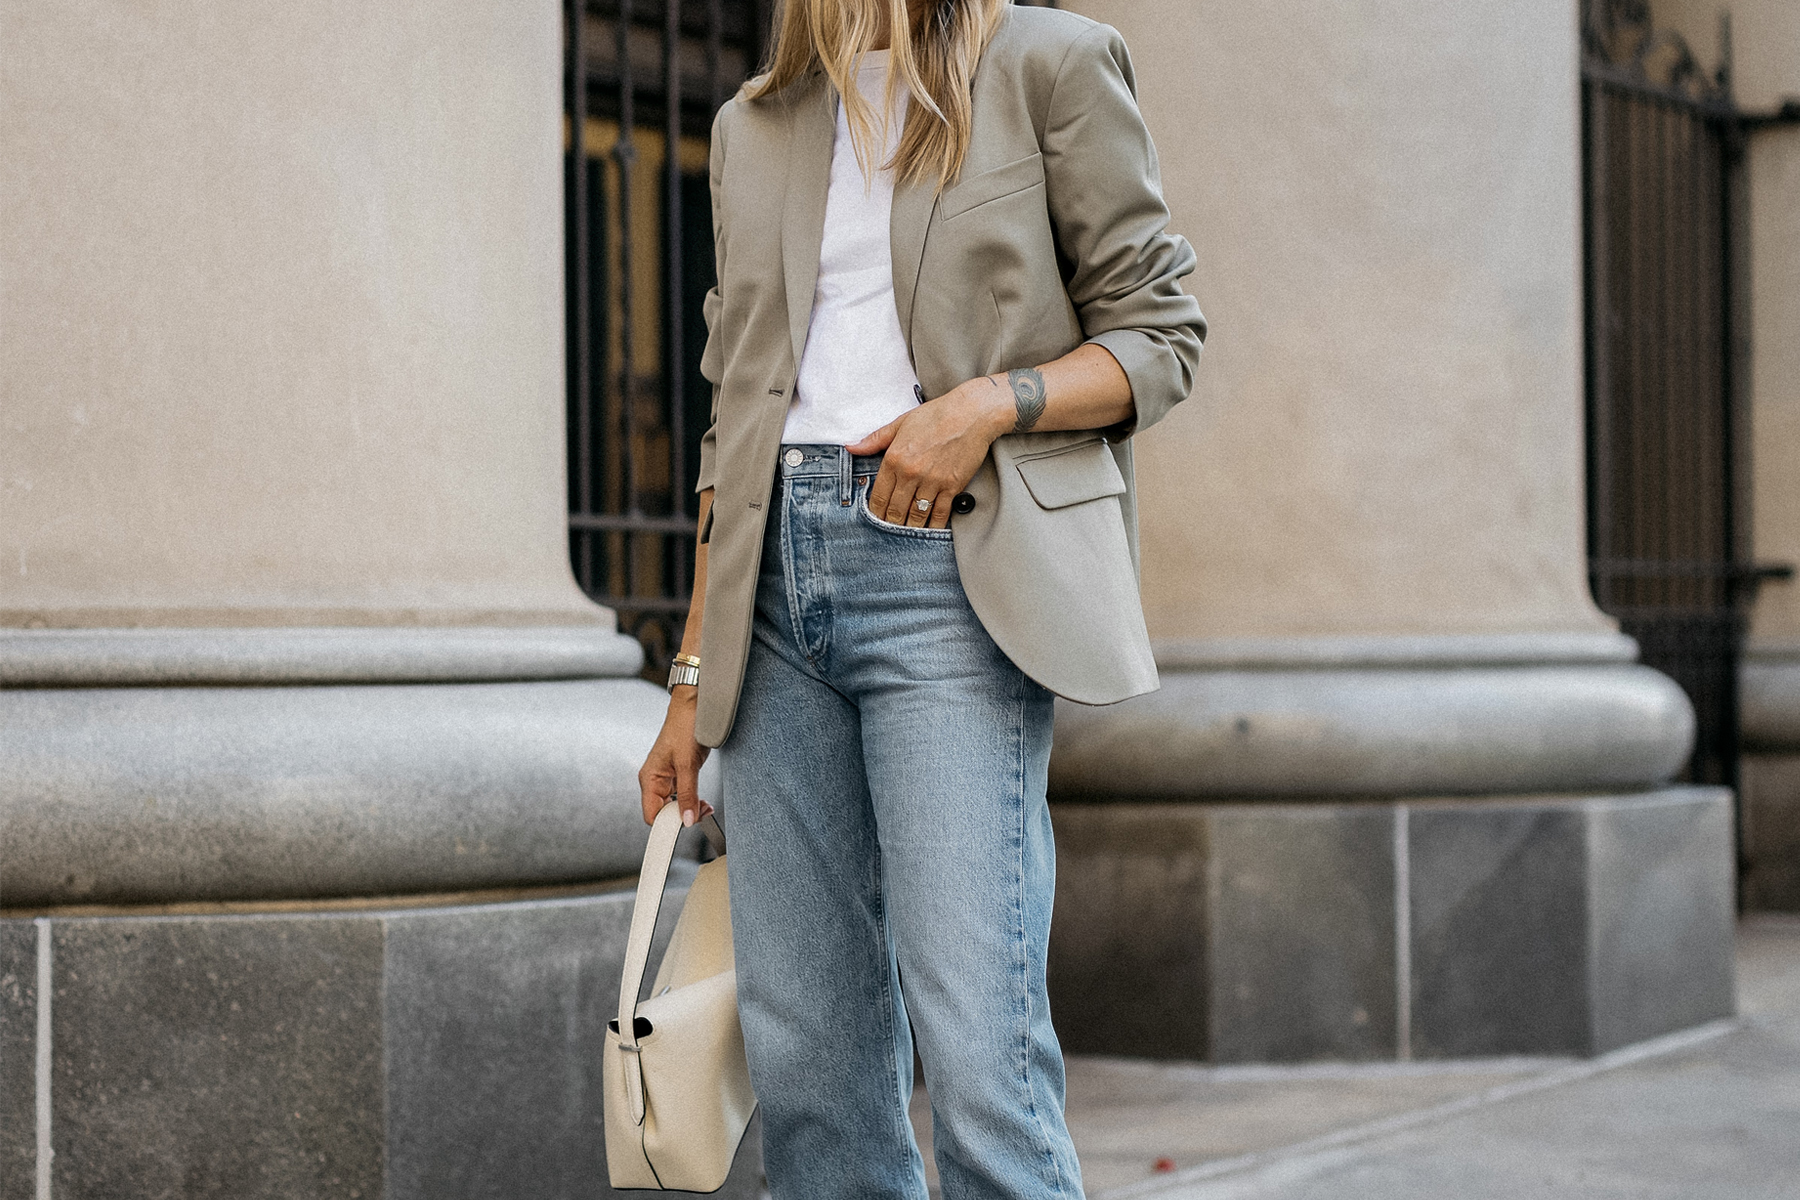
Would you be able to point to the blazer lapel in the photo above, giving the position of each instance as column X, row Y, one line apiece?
column 907, row 225
column 803, row 213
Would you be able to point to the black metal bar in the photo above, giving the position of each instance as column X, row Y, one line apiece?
column 715, row 31
column 631, row 523
column 1696, row 569
column 1636, row 374
column 625, row 155
column 1724, row 163
column 1734, row 316
column 631, row 605
column 1660, row 256
column 1623, row 79
column 1787, row 114
column 674, row 390
column 762, row 16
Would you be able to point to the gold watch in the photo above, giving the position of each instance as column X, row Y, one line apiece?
column 685, row 669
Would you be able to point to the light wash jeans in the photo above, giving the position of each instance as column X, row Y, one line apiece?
column 891, row 862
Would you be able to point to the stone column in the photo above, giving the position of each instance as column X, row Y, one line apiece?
column 1401, row 793
column 1765, row 74
column 311, row 751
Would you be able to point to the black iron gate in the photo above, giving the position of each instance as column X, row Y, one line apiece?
column 1668, row 529
column 642, row 80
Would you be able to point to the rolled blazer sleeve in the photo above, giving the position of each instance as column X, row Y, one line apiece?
column 1104, row 190
column 712, row 359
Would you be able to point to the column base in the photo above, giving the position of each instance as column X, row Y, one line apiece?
column 1371, row 930
column 1476, row 715
column 154, row 766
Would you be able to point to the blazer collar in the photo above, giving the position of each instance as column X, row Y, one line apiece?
column 803, row 214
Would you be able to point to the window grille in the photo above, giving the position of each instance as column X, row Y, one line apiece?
column 642, row 80
column 1667, row 435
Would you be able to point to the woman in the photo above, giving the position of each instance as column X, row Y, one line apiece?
column 946, row 301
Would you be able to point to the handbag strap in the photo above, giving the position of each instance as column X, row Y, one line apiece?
column 651, row 880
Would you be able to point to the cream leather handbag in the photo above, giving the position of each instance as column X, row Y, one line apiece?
column 678, row 1092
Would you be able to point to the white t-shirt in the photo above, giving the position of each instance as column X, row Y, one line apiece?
column 855, row 374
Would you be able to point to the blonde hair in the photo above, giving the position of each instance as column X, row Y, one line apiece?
column 935, row 61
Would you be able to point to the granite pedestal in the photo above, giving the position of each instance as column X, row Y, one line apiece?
column 1420, row 929
column 435, row 1052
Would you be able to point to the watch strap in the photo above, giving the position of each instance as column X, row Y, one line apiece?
column 684, row 670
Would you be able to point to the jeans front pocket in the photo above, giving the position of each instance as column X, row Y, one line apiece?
column 888, row 527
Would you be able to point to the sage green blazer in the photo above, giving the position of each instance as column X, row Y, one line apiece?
column 1053, row 234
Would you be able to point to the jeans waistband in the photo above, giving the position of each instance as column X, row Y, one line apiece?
column 827, row 461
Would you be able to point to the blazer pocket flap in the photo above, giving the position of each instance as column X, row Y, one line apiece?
column 1063, row 477
column 991, row 185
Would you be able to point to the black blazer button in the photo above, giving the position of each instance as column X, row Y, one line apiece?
column 964, row 503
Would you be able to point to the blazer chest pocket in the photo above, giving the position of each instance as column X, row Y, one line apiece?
column 1078, row 473
column 996, row 184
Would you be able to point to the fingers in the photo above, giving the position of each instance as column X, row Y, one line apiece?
column 924, row 507
column 672, row 772
column 655, row 783
column 914, row 470
column 899, row 510
column 658, row 784
column 881, row 489
column 891, row 495
column 876, row 442
column 687, row 792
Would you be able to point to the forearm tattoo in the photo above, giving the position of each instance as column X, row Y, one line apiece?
column 1028, row 393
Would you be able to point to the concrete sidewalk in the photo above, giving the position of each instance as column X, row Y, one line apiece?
column 1713, row 1112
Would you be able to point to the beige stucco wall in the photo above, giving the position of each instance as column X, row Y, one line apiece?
column 1766, row 67
column 281, row 313
column 1387, row 432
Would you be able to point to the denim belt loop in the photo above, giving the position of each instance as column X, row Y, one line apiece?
column 846, row 470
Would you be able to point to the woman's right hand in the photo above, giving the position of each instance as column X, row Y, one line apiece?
column 673, row 768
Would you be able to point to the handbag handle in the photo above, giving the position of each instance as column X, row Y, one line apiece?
column 651, row 879
column 655, row 873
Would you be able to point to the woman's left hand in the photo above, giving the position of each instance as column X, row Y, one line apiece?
column 934, row 450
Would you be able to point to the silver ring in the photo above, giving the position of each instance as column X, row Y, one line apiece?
column 922, row 504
